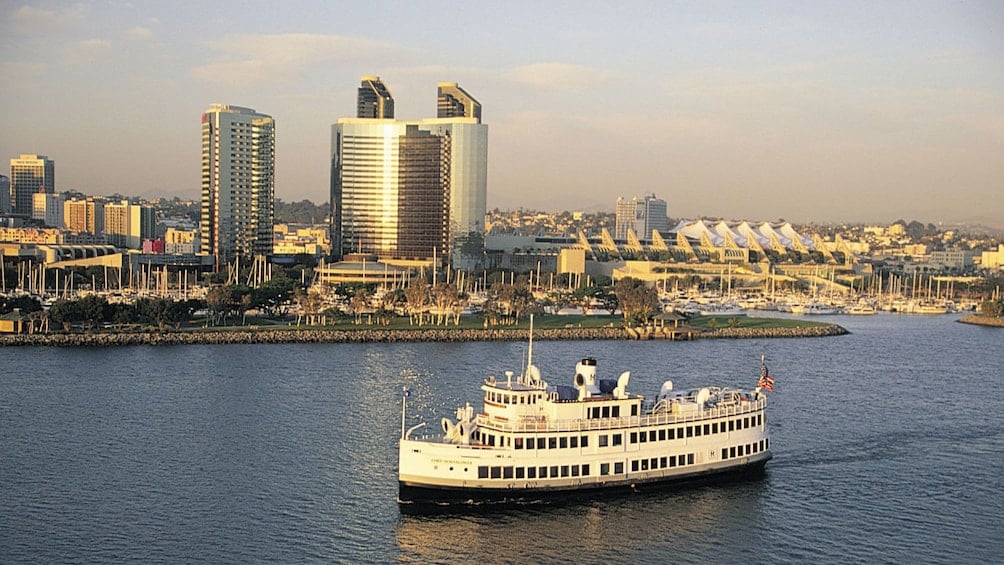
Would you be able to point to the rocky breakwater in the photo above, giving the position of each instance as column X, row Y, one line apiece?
column 746, row 333
column 978, row 320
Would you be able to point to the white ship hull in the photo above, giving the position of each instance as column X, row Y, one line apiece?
column 537, row 461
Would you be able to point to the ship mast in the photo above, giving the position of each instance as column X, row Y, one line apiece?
column 529, row 349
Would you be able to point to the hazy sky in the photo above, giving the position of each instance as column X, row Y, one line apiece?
column 809, row 111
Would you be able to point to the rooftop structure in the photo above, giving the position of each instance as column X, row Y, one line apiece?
column 374, row 101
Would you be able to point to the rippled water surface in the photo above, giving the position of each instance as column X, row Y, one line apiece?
column 888, row 443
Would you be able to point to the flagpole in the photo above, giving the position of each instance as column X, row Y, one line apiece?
column 404, row 400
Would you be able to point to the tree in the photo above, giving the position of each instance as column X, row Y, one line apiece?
column 444, row 297
column 359, row 303
column 309, row 303
column 416, row 296
column 637, row 300
column 992, row 308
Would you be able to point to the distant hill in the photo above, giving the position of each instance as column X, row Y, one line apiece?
column 302, row 212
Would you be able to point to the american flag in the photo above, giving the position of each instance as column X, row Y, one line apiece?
column 766, row 381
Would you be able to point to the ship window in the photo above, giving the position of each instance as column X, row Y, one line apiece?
column 749, row 449
column 543, row 472
column 634, row 409
column 714, row 428
column 585, row 470
column 531, row 472
column 496, row 472
column 619, row 467
column 634, row 466
column 604, row 469
column 642, row 437
column 690, row 431
column 634, row 437
column 573, row 441
column 552, row 443
column 520, row 472
column 594, row 412
column 672, row 460
column 584, row 441
column 563, row 442
column 603, row 440
column 606, row 411
column 690, row 459
column 575, row 470
column 644, row 464
column 725, row 453
column 662, row 435
column 617, row 439
column 731, row 425
column 483, row 472
column 554, row 470
column 507, row 472
column 654, row 463
column 541, row 443
column 564, row 470
column 519, row 443
column 732, row 452
column 651, row 435
column 766, row 444
column 615, row 411
column 707, row 429
column 662, row 462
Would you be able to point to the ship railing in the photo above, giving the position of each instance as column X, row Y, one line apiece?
column 541, row 424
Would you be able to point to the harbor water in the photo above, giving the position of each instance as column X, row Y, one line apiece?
column 888, row 447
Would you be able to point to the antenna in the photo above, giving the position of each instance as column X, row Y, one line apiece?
column 529, row 349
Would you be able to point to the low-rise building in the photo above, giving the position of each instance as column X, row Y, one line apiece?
column 950, row 259
column 993, row 259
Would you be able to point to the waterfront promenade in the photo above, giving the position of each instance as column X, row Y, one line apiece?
column 292, row 335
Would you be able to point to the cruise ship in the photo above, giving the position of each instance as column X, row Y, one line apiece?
column 533, row 441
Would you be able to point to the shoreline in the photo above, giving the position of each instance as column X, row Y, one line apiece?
column 276, row 336
column 985, row 321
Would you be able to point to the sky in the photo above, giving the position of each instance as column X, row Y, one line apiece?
column 807, row 111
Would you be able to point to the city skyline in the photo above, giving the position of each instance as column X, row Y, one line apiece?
column 849, row 112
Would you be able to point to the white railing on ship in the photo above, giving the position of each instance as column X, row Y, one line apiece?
column 586, row 424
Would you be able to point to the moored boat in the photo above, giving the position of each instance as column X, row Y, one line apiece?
column 532, row 440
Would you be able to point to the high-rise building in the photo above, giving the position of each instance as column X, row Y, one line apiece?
column 642, row 215
column 30, row 174
column 238, row 182
column 408, row 189
column 48, row 208
column 374, row 100
column 84, row 215
column 454, row 102
column 128, row 225
column 4, row 194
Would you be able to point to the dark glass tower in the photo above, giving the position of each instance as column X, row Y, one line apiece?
column 374, row 100
column 455, row 102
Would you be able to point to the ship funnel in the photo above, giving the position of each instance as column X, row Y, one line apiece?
column 585, row 378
